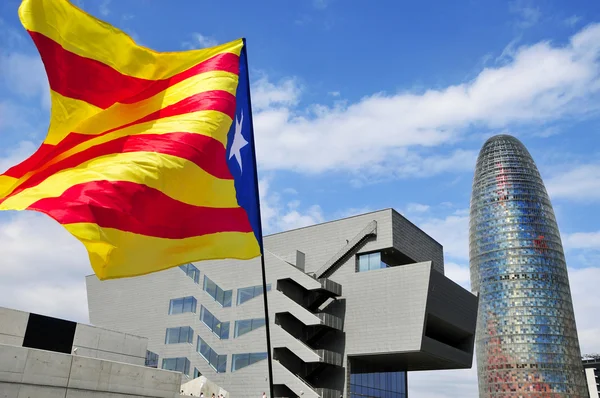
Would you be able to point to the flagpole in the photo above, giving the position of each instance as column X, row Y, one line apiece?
column 260, row 231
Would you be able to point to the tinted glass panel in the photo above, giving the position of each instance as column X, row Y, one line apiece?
column 180, row 364
column 216, row 361
column 247, row 325
column 376, row 384
column 240, row 361
column 219, row 295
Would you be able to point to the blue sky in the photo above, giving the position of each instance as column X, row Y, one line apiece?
column 357, row 107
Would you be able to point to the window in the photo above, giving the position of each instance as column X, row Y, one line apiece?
column 191, row 271
column 181, row 305
column 247, row 293
column 197, row 373
column 151, row 359
column 247, row 325
column 180, row 364
column 221, row 296
column 216, row 361
column 376, row 384
column 184, row 334
column 239, row 361
column 221, row 329
column 370, row 261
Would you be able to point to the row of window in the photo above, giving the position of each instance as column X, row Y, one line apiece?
column 370, row 261
column 221, row 296
column 248, row 293
column 239, row 361
column 216, row 361
column 184, row 334
column 191, row 271
column 220, row 329
column 182, row 305
column 180, row 364
column 247, row 325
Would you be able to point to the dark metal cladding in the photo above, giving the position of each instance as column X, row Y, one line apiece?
column 526, row 340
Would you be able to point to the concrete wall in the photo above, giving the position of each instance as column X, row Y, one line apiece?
column 13, row 324
column 25, row 372
column 110, row 345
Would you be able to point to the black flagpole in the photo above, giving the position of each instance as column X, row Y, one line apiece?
column 262, row 254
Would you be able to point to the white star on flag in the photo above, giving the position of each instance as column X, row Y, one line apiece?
column 238, row 141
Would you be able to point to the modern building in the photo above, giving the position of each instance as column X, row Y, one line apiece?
column 354, row 305
column 592, row 375
column 41, row 356
column 526, row 343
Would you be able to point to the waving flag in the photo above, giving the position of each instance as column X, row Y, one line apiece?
column 149, row 158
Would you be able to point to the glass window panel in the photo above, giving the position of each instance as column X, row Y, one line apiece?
column 227, row 298
column 257, row 356
column 189, row 304
column 176, row 306
column 222, row 367
column 210, row 287
column 239, row 361
column 257, row 323
column 214, row 359
column 242, row 327
column 224, row 330
column 219, row 296
column 244, row 294
column 363, row 263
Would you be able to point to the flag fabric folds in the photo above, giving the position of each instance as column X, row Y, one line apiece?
column 149, row 157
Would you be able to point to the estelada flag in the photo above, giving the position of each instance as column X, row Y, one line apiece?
column 149, row 158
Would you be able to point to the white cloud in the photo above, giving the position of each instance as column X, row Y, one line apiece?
column 200, row 41
column 321, row 4
column 582, row 240
column 388, row 132
column 458, row 273
column 279, row 215
column 334, row 93
column 416, row 208
column 451, row 231
column 266, row 95
column 527, row 14
column 103, row 8
column 16, row 155
column 25, row 76
column 586, row 301
column 581, row 183
column 444, row 384
column 42, row 267
column 572, row 20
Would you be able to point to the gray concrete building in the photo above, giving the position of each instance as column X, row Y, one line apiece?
column 48, row 357
column 354, row 305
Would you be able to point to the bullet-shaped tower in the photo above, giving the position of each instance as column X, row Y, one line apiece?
column 526, row 344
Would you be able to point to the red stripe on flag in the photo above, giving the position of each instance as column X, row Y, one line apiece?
column 139, row 209
column 99, row 84
column 206, row 152
column 220, row 101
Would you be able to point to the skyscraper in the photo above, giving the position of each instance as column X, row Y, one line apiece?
column 526, row 342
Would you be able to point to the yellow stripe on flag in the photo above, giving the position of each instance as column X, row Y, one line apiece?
column 115, row 254
column 178, row 178
column 78, row 32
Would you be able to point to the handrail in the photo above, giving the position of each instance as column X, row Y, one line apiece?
column 369, row 230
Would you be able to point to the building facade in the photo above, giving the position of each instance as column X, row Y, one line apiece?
column 592, row 375
column 527, row 343
column 354, row 305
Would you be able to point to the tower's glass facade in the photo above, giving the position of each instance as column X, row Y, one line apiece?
column 526, row 343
